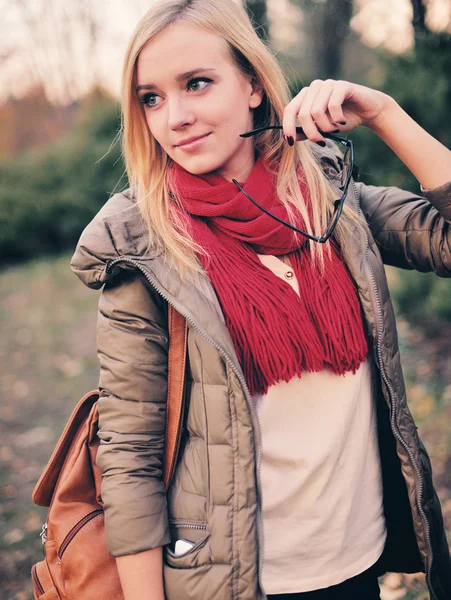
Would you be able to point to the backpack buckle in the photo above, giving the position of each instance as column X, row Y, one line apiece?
column 43, row 534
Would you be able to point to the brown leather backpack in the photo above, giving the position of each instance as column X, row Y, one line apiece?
column 77, row 565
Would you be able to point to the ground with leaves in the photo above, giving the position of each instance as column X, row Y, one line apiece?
column 48, row 361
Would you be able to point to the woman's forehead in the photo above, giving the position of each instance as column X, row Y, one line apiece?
column 179, row 49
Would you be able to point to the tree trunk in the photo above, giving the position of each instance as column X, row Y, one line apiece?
column 335, row 31
column 328, row 27
column 419, row 17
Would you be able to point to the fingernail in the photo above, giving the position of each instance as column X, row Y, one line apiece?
column 342, row 122
column 335, row 131
column 290, row 141
column 322, row 144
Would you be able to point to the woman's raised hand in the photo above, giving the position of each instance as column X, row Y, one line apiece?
column 333, row 106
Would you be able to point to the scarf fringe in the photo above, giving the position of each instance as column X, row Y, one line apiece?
column 281, row 335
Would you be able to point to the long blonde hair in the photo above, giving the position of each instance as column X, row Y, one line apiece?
column 147, row 163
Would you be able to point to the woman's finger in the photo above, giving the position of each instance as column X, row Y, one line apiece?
column 305, row 115
column 319, row 110
column 290, row 116
column 336, row 100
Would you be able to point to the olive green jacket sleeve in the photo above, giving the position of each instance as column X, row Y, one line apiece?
column 412, row 231
column 132, row 343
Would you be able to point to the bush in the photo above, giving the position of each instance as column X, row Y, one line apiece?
column 48, row 196
column 423, row 298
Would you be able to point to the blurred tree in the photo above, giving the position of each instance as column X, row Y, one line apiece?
column 59, row 46
column 257, row 11
column 420, row 82
column 419, row 17
column 75, row 35
column 32, row 121
column 328, row 29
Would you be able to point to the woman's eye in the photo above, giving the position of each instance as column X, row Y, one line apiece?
column 149, row 100
column 198, row 84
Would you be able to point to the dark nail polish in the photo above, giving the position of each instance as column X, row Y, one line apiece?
column 335, row 131
column 322, row 144
column 342, row 122
column 290, row 141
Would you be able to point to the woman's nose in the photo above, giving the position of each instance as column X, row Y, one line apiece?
column 179, row 114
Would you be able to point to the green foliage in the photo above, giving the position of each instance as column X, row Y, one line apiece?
column 47, row 196
column 421, row 83
column 423, row 298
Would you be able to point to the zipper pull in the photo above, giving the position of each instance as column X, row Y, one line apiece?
column 108, row 266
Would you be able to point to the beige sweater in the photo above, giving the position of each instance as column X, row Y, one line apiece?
column 321, row 480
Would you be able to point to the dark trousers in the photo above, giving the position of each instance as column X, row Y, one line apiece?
column 364, row 586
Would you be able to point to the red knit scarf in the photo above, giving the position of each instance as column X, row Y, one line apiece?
column 276, row 332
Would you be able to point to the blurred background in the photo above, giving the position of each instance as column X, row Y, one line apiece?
column 60, row 161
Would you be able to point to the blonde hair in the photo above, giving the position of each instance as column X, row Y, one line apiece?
column 147, row 163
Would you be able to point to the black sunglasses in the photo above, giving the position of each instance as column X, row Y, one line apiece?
column 346, row 174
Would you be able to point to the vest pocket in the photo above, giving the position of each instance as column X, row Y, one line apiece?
column 193, row 548
column 192, row 531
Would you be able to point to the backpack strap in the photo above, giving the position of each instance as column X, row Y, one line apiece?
column 178, row 335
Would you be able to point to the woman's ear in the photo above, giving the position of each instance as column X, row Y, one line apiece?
column 256, row 97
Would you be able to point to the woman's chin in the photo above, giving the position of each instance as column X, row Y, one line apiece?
column 199, row 165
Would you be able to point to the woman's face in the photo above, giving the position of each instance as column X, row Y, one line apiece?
column 191, row 88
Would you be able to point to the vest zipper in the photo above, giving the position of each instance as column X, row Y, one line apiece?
column 37, row 583
column 188, row 526
column 73, row 532
column 393, row 407
column 257, row 427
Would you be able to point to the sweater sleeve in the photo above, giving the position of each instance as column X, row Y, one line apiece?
column 132, row 346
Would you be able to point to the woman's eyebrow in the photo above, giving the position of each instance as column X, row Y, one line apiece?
column 181, row 77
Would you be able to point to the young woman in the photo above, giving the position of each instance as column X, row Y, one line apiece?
column 301, row 473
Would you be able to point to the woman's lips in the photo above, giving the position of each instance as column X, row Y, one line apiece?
column 194, row 145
